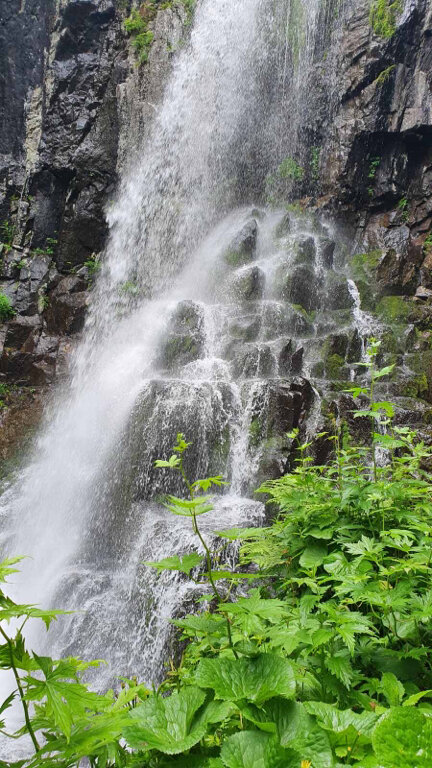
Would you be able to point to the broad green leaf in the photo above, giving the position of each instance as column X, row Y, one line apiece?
column 313, row 555
column 184, row 564
column 299, row 731
column 202, row 625
column 255, row 749
column 256, row 680
column 403, row 739
column 382, row 372
column 193, row 761
column 241, row 533
column 167, row 724
column 338, row 720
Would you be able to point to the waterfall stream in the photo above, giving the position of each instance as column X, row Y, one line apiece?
column 206, row 311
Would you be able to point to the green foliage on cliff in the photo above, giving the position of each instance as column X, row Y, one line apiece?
column 383, row 16
column 137, row 24
column 6, row 309
column 323, row 663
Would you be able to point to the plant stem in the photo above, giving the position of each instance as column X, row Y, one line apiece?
column 196, row 529
column 21, row 692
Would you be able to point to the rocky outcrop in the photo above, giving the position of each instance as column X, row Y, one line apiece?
column 71, row 96
column 376, row 161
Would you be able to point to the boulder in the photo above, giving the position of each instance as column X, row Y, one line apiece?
column 337, row 293
column 305, row 250
column 300, row 287
column 249, row 284
column 185, row 337
column 242, row 248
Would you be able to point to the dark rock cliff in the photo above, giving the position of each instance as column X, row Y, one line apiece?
column 71, row 98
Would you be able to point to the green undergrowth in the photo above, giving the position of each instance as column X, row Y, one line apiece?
column 323, row 661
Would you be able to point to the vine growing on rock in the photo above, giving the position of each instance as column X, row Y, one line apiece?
column 324, row 662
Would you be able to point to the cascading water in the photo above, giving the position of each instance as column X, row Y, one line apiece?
column 195, row 326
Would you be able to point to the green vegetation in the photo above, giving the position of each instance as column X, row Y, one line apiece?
column 383, row 15
column 315, row 162
column 6, row 309
column 363, row 269
column 137, row 24
column 403, row 209
column 290, row 169
column 393, row 309
column 296, row 30
column 385, row 75
column 427, row 245
column 324, row 662
column 373, row 167
column 7, row 231
column 333, row 365
column 48, row 249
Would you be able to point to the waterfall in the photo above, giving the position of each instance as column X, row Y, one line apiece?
column 194, row 326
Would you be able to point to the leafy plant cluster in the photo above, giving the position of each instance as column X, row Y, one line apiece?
column 383, row 17
column 6, row 309
column 279, row 183
column 427, row 245
column 7, row 230
column 372, row 172
column 137, row 24
column 324, row 662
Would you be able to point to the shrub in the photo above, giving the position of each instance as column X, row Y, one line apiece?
column 383, row 15
column 6, row 309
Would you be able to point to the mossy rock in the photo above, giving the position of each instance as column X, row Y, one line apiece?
column 355, row 348
column 317, row 370
column 254, row 362
column 336, row 344
column 421, row 365
column 337, row 292
column 305, row 251
column 393, row 309
column 180, row 350
column 300, row 287
column 242, row 248
column 185, row 339
column 334, row 367
column 363, row 268
column 249, row 284
column 256, row 432
column 326, row 249
column 246, row 328
column 284, row 227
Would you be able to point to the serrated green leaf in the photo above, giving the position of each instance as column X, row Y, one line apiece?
column 392, row 689
column 411, row 701
column 339, row 665
column 185, row 564
column 256, row 680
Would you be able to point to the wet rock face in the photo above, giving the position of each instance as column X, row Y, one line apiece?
column 64, row 71
column 185, row 337
column 243, row 246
